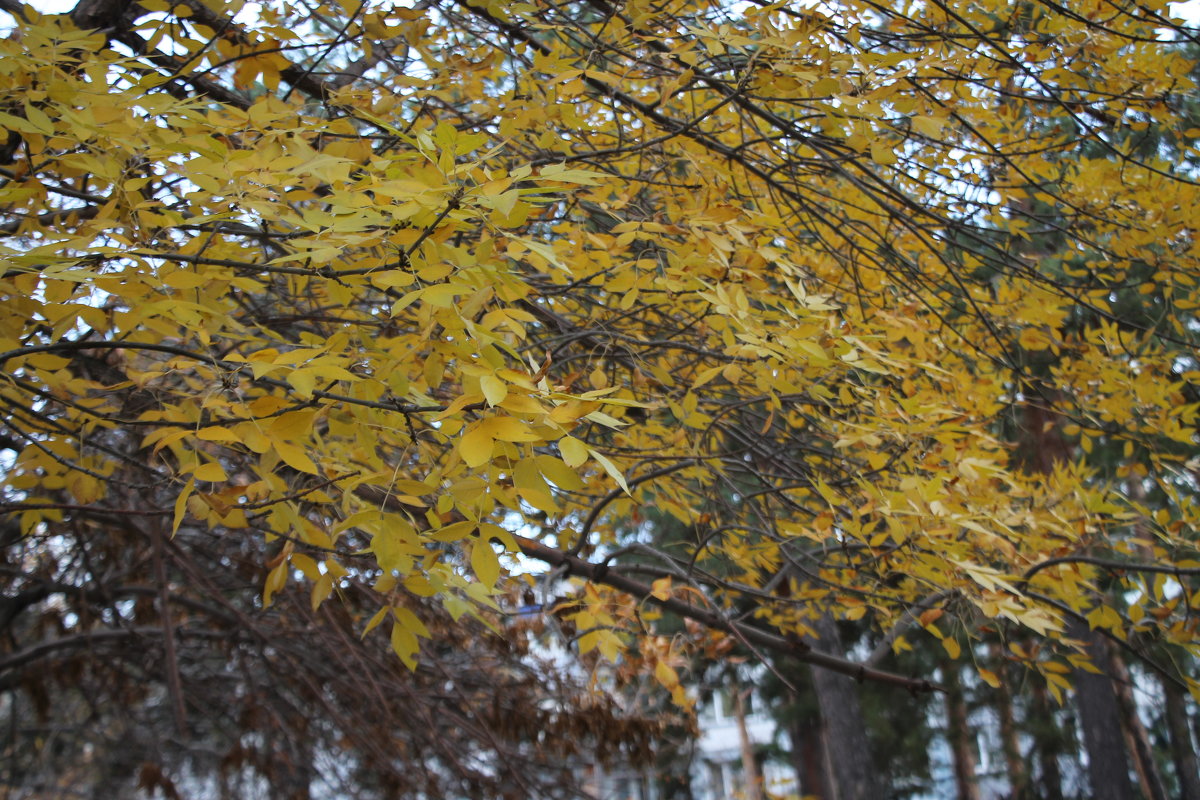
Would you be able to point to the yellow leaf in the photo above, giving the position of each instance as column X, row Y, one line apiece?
column 927, row 126
column 321, row 590
column 557, row 472
column 405, row 645
column 303, row 380
column 211, row 471
column 254, row 439
column 292, row 424
column 276, row 580
column 521, row 404
column 485, row 563
column 181, row 504
column 574, row 452
column 294, row 457
column 475, row 446
column 306, row 565
column 495, row 533
column 882, row 153
column 570, row 411
column 410, row 621
column 394, row 545
column 181, row 279
column 217, row 434
column 376, row 618
column 531, row 487
column 989, row 678
column 951, row 646
column 610, row 468
column 706, row 376
column 665, row 675
column 454, row 532
column 494, row 390
column 510, row 429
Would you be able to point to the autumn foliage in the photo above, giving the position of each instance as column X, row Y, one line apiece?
column 893, row 310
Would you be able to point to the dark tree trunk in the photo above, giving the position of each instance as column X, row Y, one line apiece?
column 103, row 14
column 1099, row 714
column 1182, row 751
column 1048, row 745
column 847, row 749
column 1009, row 736
column 807, row 759
column 1100, row 721
column 1136, row 738
column 958, row 732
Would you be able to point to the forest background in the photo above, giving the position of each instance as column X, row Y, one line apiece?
column 852, row 341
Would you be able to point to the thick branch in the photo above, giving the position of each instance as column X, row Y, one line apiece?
column 89, row 638
column 1105, row 563
column 601, row 573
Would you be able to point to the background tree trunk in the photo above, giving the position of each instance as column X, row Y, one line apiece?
column 1100, row 721
column 847, row 749
column 1183, row 753
column 1047, row 743
column 1099, row 715
column 958, row 731
column 1009, row 737
column 807, row 749
column 752, row 780
column 1136, row 738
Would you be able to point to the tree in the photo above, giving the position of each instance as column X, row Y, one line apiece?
column 408, row 291
column 117, row 680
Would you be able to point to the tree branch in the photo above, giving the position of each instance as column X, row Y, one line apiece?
column 601, row 573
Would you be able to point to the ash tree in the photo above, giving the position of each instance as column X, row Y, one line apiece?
column 398, row 299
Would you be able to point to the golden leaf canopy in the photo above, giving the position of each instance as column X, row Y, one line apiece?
column 885, row 313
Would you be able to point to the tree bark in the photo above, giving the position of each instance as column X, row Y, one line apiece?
column 807, row 760
column 102, row 14
column 847, row 749
column 1100, row 721
column 1009, row 736
column 1149, row 777
column 1099, row 715
column 1183, row 753
column 958, row 731
column 1047, row 743
column 1136, row 738
column 753, row 781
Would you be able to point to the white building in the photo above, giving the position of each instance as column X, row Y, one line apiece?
column 718, row 766
column 719, row 773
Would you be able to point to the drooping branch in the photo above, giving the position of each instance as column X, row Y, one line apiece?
column 795, row 648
